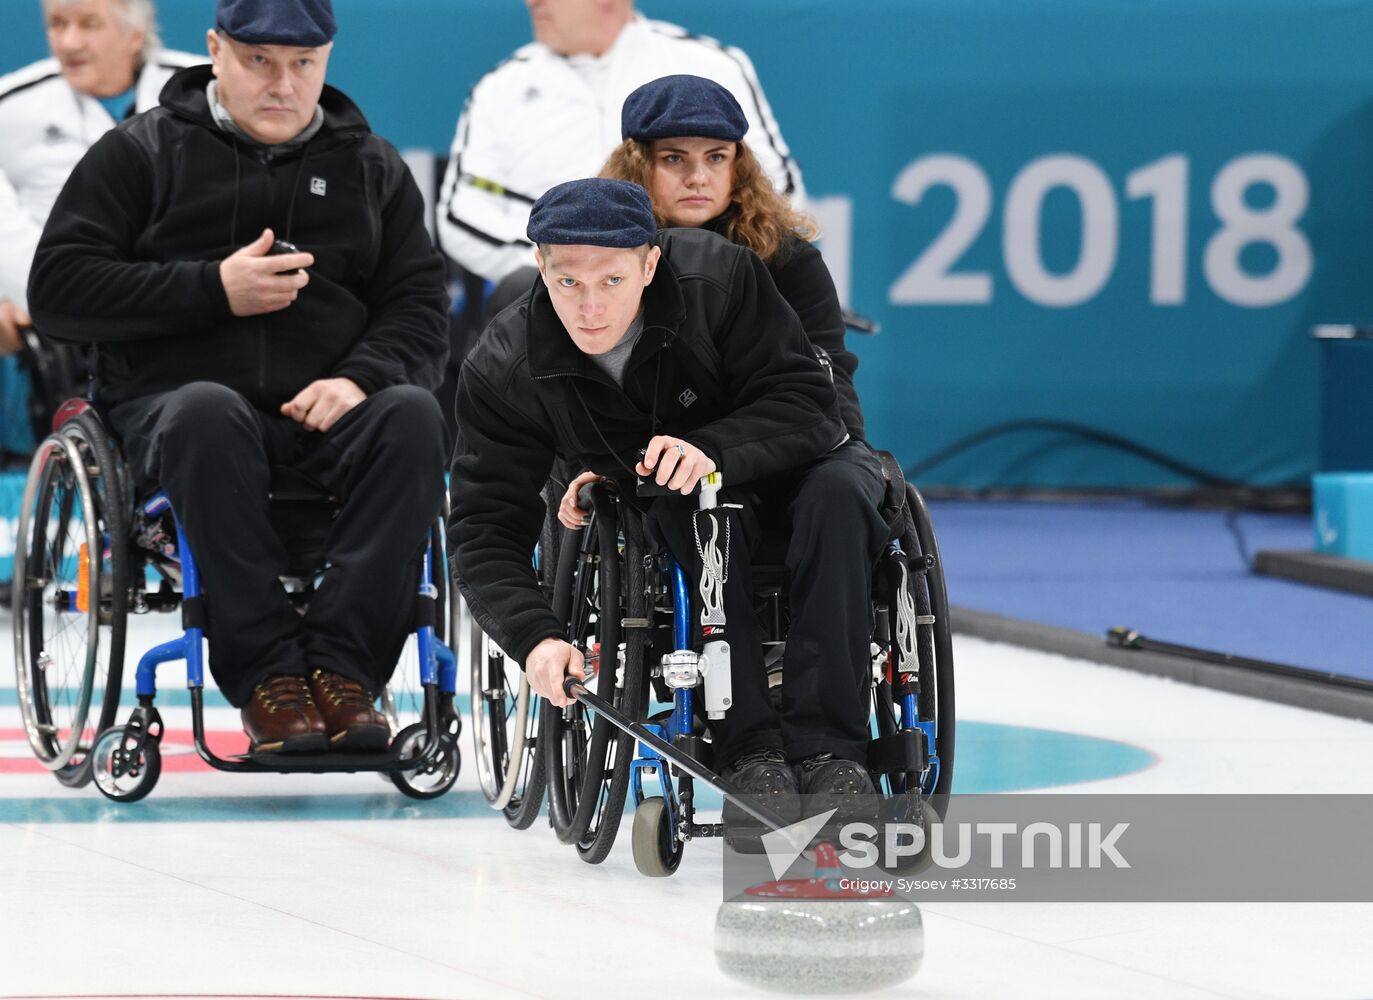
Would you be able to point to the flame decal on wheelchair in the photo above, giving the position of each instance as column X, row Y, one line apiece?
column 905, row 617
column 713, row 571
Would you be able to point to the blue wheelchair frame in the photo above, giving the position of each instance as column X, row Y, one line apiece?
column 680, row 722
column 438, row 676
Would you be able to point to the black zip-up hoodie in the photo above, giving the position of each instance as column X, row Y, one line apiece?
column 722, row 362
column 129, row 259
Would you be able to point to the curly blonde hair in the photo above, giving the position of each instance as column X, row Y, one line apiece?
column 762, row 218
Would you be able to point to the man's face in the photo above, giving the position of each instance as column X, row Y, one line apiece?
column 98, row 51
column 271, row 91
column 596, row 291
column 574, row 27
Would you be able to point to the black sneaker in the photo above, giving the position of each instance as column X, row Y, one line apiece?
column 830, row 782
column 826, row 774
column 764, row 778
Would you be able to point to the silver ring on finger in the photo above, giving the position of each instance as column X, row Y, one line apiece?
column 680, row 450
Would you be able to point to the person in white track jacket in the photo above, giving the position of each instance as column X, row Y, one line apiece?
column 107, row 63
column 551, row 113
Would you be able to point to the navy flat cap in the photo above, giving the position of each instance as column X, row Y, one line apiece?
column 302, row 23
column 682, row 105
column 593, row 212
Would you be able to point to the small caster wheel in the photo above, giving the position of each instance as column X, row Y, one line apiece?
column 657, row 852
column 912, row 808
column 425, row 782
column 122, row 776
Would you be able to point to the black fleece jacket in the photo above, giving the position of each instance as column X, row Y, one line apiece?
column 804, row 281
column 722, row 363
column 129, row 259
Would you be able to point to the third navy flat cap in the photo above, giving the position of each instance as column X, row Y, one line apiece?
column 682, row 105
column 301, row 23
column 594, row 212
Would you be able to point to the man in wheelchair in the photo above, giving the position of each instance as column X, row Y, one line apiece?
column 671, row 355
column 223, row 354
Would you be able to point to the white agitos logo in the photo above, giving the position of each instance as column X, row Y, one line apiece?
column 784, row 846
column 317, row 186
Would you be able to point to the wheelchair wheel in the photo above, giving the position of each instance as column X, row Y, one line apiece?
column 70, row 597
column 630, row 696
column 919, row 648
column 503, row 717
column 936, row 663
column 121, row 775
column 434, row 780
column 505, row 711
column 587, row 759
column 657, row 853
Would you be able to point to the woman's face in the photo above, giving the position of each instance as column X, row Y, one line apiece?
column 692, row 178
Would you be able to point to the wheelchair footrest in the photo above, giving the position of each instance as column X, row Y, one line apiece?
column 329, row 762
column 743, row 838
column 901, row 751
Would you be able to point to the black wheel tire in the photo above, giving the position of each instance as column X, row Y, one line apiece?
column 524, row 807
column 115, row 504
column 411, row 741
column 57, row 498
column 526, row 804
column 901, row 809
column 940, row 644
column 575, row 763
column 657, row 853
column 594, row 845
column 122, row 789
column 77, row 775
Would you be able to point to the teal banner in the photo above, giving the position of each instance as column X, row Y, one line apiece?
column 11, row 495
column 1119, row 214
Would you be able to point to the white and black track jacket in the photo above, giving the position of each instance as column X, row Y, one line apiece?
column 539, row 119
column 46, row 126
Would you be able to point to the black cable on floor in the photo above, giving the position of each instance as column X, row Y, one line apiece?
column 1093, row 434
column 1215, row 490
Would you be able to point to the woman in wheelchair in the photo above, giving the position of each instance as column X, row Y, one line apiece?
column 671, row 357
column 684, row 143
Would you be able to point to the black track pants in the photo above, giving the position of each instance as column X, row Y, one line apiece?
column 211, row 451
column 835, row 534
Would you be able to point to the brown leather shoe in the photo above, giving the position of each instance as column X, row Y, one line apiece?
column 351, row 720
column 281, row 715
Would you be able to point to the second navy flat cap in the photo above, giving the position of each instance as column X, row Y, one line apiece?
column 301, row 23
column 595, row 212
column 682, row 105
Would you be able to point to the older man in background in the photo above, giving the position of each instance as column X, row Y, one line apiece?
column 107, row 63
column 551, row 113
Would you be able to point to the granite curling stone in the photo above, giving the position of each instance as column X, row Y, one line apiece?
column 811, row 936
